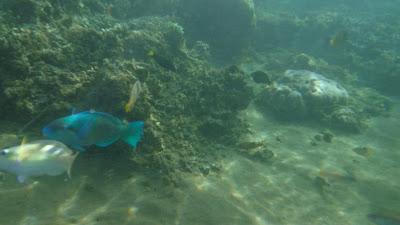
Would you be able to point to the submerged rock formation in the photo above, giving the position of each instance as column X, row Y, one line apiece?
column 301, row 93
column 306, row 95
column 91, row 60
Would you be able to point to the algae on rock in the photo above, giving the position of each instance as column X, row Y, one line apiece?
column 86, row 59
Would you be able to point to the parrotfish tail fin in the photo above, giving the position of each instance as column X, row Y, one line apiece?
column 72, row 163
column 133, row 133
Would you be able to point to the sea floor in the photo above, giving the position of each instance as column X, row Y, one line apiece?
column 326, row 183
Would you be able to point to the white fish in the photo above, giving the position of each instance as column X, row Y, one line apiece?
column 135, row 93
column 42, row 157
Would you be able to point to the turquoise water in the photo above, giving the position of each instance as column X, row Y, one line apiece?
column 230, row 136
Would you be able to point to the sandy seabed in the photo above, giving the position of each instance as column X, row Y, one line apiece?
column 285, row 191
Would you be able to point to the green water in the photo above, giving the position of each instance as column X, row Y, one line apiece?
column 201, row 108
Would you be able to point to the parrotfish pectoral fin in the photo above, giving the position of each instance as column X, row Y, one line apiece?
column 133, row 133
column 86, row 128
column 21, row 178
column 78, row 148
column 105, row 143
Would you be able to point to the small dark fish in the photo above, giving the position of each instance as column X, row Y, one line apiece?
column 165, row 62
column 93, row 128
column 381, row 219
column 261, row 77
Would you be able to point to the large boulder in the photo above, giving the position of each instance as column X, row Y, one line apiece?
column 302, row 93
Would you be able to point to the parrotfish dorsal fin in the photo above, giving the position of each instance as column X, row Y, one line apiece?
column 105, row 143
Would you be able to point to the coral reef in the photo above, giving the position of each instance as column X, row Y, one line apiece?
column 91, row 62
column 301, row 93
column 346, row 119
column 370, row 51
column 56, row 55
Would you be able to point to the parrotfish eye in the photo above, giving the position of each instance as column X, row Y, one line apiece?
column 46, row 130
column 49, row 130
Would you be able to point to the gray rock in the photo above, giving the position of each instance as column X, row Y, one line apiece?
column 345, row 118
column 314, row 87
column 301, row 93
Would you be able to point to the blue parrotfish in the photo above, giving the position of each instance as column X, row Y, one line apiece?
column 37, row 158
column 384, row 218
column 93, row 128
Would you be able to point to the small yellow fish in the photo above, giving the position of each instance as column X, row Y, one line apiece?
column 135, row 92
column 338, row 39
column 151, row 53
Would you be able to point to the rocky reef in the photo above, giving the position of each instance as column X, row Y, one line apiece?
column 56, row 55
column 59, row 55
column 327, row 41
column 301, row 93
column 305, row 95
column 368, row 49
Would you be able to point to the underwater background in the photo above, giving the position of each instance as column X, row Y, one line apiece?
column 260, row 112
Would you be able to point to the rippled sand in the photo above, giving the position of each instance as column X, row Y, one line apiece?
column 285, row 191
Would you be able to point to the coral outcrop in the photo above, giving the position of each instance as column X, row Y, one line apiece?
column 301, row 93
column 91, row 60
